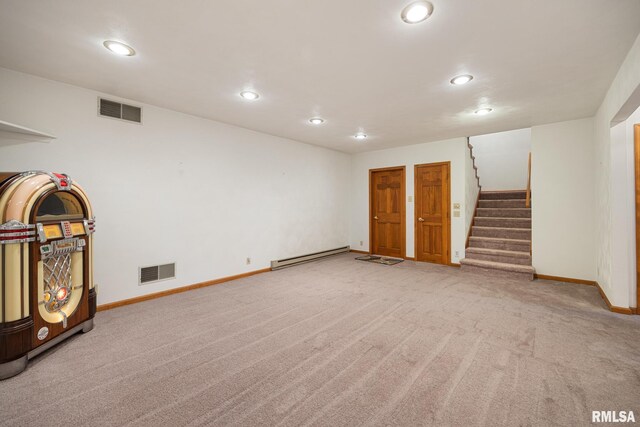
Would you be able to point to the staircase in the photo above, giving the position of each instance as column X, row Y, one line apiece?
column 500, row 241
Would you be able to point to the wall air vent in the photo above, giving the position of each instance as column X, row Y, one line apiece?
column 156, row 273
column 120, row 111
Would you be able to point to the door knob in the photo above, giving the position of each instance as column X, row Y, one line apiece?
column 421, row 219
column 375, row 217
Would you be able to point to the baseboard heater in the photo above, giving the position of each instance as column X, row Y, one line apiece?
column 288, row 262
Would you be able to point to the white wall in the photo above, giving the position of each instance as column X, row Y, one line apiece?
column 471, row 191
column 621, row 98
column 179, row 188
column 453, row 150
column 562, row 206
column 623, row 225
column 502, row 159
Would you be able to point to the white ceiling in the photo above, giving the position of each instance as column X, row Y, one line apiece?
column 353, row 62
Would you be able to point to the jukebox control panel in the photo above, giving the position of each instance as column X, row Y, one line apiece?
column 64, row 229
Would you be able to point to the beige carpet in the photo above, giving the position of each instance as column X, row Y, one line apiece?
column 342, row 342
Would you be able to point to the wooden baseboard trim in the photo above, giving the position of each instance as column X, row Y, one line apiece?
column 454, row 264
column 155, row 295
column 359, row 252
column 615, row 309
column 622, row 310
column 565, row 279
column 410, row 258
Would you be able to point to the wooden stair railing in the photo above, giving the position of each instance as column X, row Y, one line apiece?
column 528, row 199
column 473, row 159
column 475, row 169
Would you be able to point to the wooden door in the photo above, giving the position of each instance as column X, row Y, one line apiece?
column 637, row 162
column 387, row 211
column 432, row 221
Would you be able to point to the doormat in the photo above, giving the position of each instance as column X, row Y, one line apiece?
column 380, row 259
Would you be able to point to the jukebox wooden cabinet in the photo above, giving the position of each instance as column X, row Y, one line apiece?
column 46, row 268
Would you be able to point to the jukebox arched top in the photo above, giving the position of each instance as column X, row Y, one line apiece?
column 44, row 190
column 46, row 247
column 60, row 205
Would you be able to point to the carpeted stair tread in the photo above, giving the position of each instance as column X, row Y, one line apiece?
column 502, row 203
column 516, row 268
column 503, row 217
column 499, row 255
column 499, row 239
column 506, row 209
column 495, row 221
column 503, row 195
column 485, row 251
column 499, row 228
column 500, row 243
column 504, row 212
column 502, row 232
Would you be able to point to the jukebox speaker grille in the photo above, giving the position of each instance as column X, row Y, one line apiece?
column 57, row 282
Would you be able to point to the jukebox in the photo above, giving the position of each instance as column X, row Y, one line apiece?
column 46, row 269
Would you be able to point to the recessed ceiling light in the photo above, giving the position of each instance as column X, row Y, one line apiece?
column 483, row 111
column 416, row 12
column 316, row 121
column 248, row 95
column 119, row 48
column 461, row 80
column 360, row 135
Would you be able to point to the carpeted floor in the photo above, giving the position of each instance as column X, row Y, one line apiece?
column 341, row 342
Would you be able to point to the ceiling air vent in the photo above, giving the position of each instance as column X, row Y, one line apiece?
column 120, row 111
column 156, row 273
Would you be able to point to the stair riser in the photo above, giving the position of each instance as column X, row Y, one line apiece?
column 503, row 195
column 497, row 273
column 502, row 203
column 503, row 222
column 500, row 258
column 509, row 233
column 504, row 213
column 500, row 245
